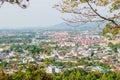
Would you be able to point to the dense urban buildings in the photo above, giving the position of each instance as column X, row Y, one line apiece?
column 57, row 51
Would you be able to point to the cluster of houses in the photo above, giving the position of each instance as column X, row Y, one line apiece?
column 81, row 46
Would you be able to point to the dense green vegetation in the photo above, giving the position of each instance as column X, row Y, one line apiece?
column 114, row 47
column 80, row 74
column 33, row 73
column 22, row 38
column 79, row 62
column 33, row 49
column 110, row 30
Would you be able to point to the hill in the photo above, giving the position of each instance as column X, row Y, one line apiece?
column 80, row 27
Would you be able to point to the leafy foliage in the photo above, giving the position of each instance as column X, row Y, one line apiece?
column 114, row 47
column 80, row 74
column 31, row 73
column 110, row 30
column 22, row 3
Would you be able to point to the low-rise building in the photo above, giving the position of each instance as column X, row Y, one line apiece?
column 53, row 69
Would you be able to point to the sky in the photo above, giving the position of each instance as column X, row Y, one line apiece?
column 39, row 13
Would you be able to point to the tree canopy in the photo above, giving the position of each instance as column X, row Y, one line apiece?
column 22, row 3
column 84, row 11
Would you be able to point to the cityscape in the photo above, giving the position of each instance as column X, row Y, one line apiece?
column 59, row 39
column 57, row 51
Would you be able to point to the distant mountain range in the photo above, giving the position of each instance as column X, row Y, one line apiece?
column 80, row 27
column 62, row 26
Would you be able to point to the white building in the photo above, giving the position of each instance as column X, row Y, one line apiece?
column 53, row 69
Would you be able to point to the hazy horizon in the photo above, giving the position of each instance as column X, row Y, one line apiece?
column 39, row 13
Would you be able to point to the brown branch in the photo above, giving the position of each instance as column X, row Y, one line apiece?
column 100, row 15
column 2, row 2
column 78, row 12
column 117, row 27
column 84, row 21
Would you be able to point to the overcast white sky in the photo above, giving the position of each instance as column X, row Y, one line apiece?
column 40, row 12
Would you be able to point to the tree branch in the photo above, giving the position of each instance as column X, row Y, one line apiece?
column 100, row 15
